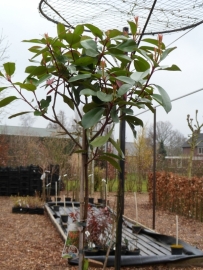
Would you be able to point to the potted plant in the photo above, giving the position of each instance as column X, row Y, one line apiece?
column 64, row 216
column 176, row 249
column 137, row 227
column 35, row 205
column 99, row 227
column 20, row 205
column 131, row 249
column 90, row 249
column 56, row 206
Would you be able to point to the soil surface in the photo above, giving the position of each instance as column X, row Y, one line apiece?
column 31, row 242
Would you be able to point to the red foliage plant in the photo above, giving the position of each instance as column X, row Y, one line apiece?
column 99, row 224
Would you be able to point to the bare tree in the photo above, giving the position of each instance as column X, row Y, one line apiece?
column 62, row 118
column 172, row 139
column 193, row 141
column 4, row 45
column 26, row 120
column 3, row 48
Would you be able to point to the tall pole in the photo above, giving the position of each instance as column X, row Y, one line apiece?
column 121, row 187
column 154, row 170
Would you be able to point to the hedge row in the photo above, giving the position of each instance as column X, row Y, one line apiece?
column 178, row 194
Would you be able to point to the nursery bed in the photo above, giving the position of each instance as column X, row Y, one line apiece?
column 154, row 248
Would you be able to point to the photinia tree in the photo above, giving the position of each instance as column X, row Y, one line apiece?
column 103, row 76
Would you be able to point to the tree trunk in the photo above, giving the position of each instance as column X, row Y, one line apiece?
column 83, row 209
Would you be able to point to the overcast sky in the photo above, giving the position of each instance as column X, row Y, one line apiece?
column 21, row 20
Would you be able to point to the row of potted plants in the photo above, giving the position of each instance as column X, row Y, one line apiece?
column 27, row 205
column 99, row 233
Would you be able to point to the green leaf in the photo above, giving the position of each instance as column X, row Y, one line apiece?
column 68, row 101
column 37, row 113
column 79, row 29
column 30, row 69
column 41, row 52
column 44, row 78
column 7, row 100
column 88, row 92
column 17, row 114
column 114, row 115
column 166, row 102
column 36, row 71
column 92, row 117
column 141, row 64
column 133, row 120
column 112, row 155
column 154, row 42
column 138, row 76
column 133, row 27
column 9, row 68
column 127, row 46
column 125, row 80
column 101, row 140
column 122, row 57
column 171, row 68
column 112, row 161
column 79, row 77
column 27, row 86
column 45, row 102
column 158, row 98
column 67, row 256
column 61, row 30
column 117, row 146
column 89, row 106
column 90, row 46
column 124, row 89
column 84, row 61
column 2, row 88
column 113, row 33
column 128, row 111
column 35, row 49
column 85, row 264
column 95, row 30
column 166, row 53
column 72, row 38
column 104, row 97
column 41, row 41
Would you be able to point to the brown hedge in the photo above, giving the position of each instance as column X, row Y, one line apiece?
column 178, row 194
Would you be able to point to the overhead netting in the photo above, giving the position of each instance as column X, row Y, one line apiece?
column 166, row 17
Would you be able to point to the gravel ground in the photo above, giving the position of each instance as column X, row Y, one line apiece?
column 32, row 242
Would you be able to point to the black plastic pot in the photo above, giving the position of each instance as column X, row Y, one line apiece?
column 56, row 207
column 104, row 251
column 136, row 229
column 100, row 200
column 123, row 250
column 91, row 200
column 36, row 211
column 67, row 199
column 133, row 252
column 64, row 218
column 20, row 210
column 91, row 252
column 176, row 249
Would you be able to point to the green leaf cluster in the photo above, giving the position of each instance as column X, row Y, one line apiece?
column 104, row 74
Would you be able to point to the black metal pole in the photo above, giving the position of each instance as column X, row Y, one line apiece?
column 120, row 198
column 121, row 187
column 154, row 170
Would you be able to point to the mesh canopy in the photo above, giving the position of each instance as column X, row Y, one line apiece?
column 167, row 16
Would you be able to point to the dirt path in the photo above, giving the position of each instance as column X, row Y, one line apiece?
column 31, row 242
